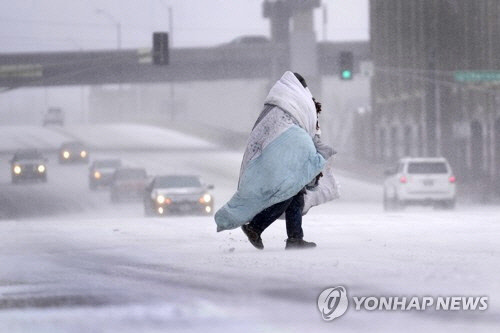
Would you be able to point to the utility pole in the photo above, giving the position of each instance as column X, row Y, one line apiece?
column 119, row 35
column 171, row 25
column 325, row 22
column 118, row 26
column 172, row 86
column 432, row 90
column 116, row 23
column 84, row 116
column 170, row 13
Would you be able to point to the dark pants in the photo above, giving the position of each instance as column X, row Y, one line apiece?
column 293, row 214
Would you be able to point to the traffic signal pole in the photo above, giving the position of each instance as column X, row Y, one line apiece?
column 346, row 65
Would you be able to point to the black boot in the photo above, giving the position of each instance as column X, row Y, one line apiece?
column 253, row 236
column 298, row 243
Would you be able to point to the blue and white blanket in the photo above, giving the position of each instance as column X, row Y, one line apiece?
column 280, row 158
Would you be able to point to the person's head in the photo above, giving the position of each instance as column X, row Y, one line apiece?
column 317, row 105
column 290, row 93
column 301, row 79
column 304, row 84
column 318, row 111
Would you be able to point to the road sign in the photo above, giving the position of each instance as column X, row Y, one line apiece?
column 477, row 76
column 21, row 71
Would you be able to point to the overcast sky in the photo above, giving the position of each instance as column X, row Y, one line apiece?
column 49, row 25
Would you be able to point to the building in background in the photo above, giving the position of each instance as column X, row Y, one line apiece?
column 435, row 91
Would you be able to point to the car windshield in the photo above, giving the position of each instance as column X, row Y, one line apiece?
column 427, row 167
column 250, row 40
column 177, row 181
column 131, row 174
column 28, row 155
column 108, row 164
column 73, row 145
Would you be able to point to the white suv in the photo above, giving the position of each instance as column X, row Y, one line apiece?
column 424, row 181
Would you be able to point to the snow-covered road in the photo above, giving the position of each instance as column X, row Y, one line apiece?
column 131, row 273
column 72, row 262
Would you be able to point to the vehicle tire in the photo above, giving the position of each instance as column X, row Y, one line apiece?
column 148, row 212
column 392, row 204
column 114, row 197
column 449, row 204
column 399, row 205
column 386, row 203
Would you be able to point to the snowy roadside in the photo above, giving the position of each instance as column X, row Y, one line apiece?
column 20, row 137
column 133, row 137
column 105, row 137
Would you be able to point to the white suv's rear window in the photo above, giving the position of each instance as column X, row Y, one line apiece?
column 427, row 167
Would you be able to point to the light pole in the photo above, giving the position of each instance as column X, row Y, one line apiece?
column 115, row 22
column 170, row 22
column 118, row 25
column 84, row 116
column 325, row 21
column 171, row 42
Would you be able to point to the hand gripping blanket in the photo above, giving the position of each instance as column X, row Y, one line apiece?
column 280, row 157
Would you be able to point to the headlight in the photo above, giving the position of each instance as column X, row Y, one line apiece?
column 208, row 209
column 160, row 210
column 160, row 199
column 97, row 175
column 83, row 153
column 17, row 169
column 41, row 168
column 206, row 198
column 65, row 154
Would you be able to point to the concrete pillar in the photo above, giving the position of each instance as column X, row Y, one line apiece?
column 303, row 49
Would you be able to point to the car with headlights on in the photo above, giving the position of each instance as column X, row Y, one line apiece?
column 73, row 152
column 420, row 181
column 177, row 194
column 28, row 165
column 101, row 172
column 128, row 184
column 53, row 116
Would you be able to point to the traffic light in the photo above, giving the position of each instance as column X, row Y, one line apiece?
column 160, row 48
column 346, row 65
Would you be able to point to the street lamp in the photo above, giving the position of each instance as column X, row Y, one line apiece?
column 115, row 22
column 171, row 42
column 84, row 115
column 170, row 22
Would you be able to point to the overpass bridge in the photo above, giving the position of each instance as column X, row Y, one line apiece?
column 186, row 64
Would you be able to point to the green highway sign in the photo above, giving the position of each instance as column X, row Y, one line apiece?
column 477, row 76
column 21, row 70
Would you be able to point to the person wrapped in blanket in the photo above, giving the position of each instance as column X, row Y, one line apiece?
column 282, row 168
